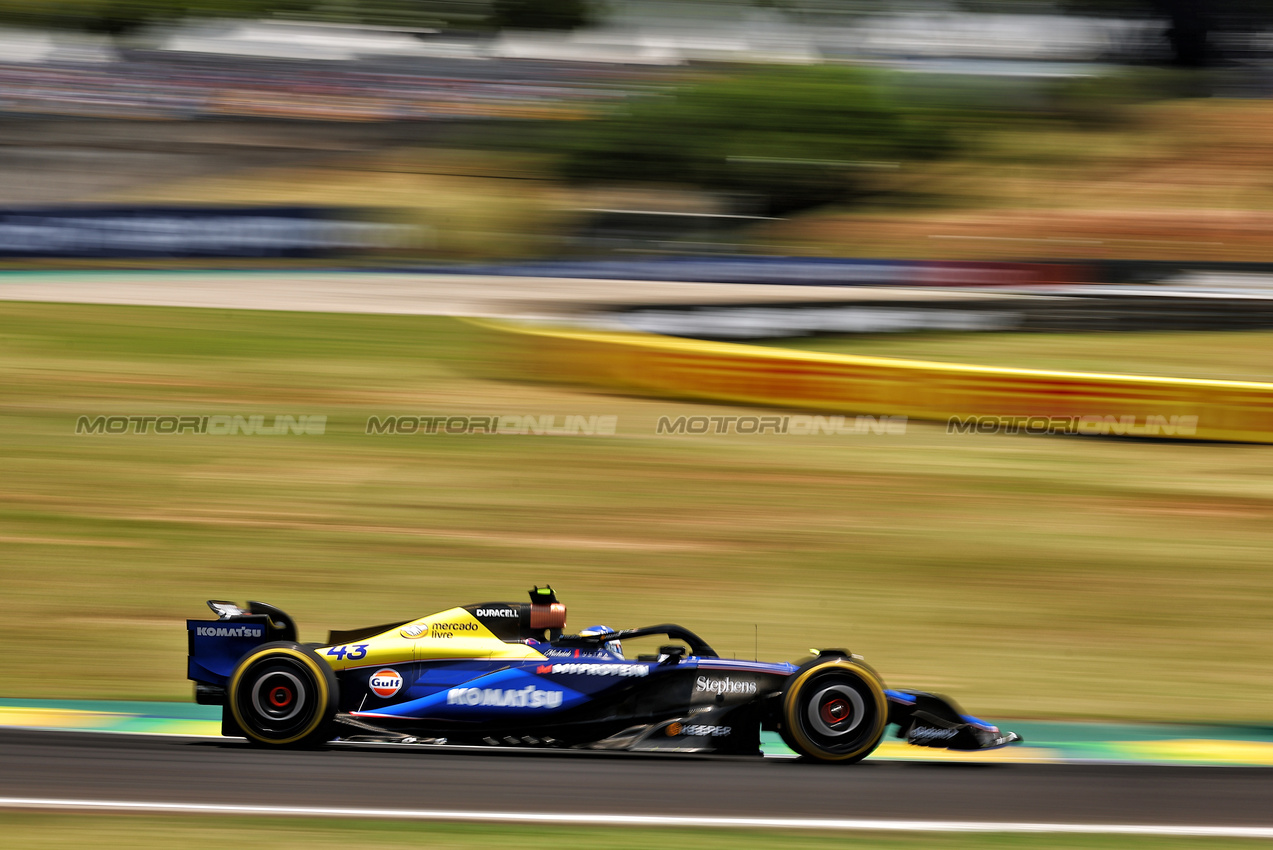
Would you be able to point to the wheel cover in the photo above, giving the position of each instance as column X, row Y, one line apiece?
column 278, row 695
column 836, row 710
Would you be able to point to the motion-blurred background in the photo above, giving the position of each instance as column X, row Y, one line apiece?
column 287, row 144
column 531, row 128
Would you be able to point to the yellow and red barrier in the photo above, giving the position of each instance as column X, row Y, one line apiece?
column 973, row 397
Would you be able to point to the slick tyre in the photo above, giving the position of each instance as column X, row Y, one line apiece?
column 283, row 695
column 834, row 711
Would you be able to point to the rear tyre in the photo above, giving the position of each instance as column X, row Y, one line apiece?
column 834, row 711
column 283, row 695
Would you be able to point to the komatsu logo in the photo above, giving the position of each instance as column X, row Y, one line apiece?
column 527, row 697
column 510, row 613
column 596, row 669
column 724, row 686
column 229, row 631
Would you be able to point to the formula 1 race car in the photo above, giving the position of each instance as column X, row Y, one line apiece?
column 505, row 674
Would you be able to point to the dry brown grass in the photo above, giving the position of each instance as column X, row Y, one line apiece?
column 1029, row 577
column 1189, row 180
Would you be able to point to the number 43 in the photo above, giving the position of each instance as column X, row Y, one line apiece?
column 344, row 652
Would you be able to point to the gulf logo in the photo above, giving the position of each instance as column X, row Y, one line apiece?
column 385, row 682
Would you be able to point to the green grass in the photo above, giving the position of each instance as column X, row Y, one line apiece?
column 1228, row 355
column 1028, row 577
column 32, row 831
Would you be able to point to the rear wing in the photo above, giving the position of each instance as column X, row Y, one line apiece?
column 215, row 646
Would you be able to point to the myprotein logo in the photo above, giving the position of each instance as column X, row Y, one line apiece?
column 385, row 683
column 501, row 613
column 527, row 697
column 595, row 669
column 725, row 685
column 229, row 631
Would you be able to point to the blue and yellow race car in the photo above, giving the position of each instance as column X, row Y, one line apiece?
column 507, row 674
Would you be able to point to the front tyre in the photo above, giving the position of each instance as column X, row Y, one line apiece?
column 834, row 711
column 283, row 695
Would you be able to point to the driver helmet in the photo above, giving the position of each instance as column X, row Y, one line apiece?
column 614, row 647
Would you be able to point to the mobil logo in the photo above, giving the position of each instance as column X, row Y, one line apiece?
column 385, row 682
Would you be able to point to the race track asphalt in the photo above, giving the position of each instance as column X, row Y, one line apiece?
column 86, row 766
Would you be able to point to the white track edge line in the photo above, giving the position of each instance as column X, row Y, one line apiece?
column 568, row 819
column 910, row 759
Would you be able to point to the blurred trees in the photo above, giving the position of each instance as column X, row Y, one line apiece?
column 1190, row 24
column 119, row 16
column 541, row 14
column 783, row 138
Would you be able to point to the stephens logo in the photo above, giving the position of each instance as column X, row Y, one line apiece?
column 724, row 686
column 385, row 682
column 229, row 631
column 527, row 697
column 503, row 613
column 595, row 669
column 414, row 631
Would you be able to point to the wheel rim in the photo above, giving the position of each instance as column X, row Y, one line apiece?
column 278, row 695
column 836, row 711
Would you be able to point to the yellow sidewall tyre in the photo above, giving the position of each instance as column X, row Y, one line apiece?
column 834, row 711
column 283, row 695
